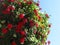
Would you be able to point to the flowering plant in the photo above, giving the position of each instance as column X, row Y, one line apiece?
column 22, row 23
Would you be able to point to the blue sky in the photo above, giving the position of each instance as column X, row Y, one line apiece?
column 52, row 7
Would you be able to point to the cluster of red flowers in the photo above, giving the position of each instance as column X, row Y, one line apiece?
column 5, row 30
column 7, row 9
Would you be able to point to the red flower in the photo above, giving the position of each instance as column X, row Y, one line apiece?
column 21, row 16
column 49, row 42
column 36, row 12
column 22, row 33
column 11, row 0
column 24, row 20
column 47, row 16
column 37, row 4
column 39, row 17
column 17, row 31
column 29, row 2
column 4, row 5
column 20, row 25
column 4, row 30
column 9, row 26
column 31, row 23
column 6, row 11
column 37, row 25
column 11, row 7
column 22, row 40
column 13, row 43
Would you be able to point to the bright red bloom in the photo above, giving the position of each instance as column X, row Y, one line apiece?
column 22, row 40
column 11, row 7
column 11, row 0
column 8, row 9
column 29, row 2
column 39, row 17
column 36, row 12
column 21, row 16
column 9, row 26
column 13, row 43
column 20, row 25
column 4, row 30
column 22, row 33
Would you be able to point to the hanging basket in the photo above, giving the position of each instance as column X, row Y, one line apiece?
column 22, row 23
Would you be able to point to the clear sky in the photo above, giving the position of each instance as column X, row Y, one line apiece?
column 52, row 7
